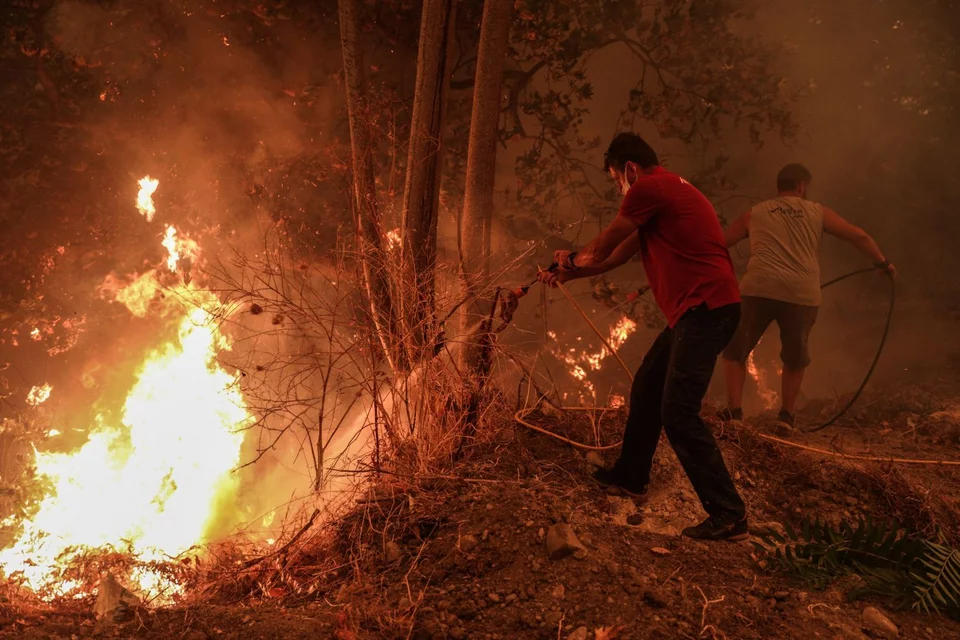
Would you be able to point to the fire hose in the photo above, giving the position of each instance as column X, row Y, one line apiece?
column 522, row 414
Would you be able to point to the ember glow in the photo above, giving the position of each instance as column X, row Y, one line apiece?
column 149, row 483
column 39, row 394
column 579, row 362
column 393, row 239
column 145, row 197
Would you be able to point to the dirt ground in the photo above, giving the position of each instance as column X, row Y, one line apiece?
column 464, row 556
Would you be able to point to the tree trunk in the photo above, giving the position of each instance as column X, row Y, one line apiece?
column 366, row 212
column 421, row 195
column 481, row 170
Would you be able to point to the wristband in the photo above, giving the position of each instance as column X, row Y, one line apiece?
column 570, row 265
column 882, row 265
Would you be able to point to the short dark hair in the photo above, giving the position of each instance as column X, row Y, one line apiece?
column 629, row 147
column 791, row 176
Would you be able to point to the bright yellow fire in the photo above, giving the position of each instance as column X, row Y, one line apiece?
column 177, row 247
column 149, row 483
column 145, row 197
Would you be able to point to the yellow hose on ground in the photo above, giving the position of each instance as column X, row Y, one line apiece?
column 522, row 414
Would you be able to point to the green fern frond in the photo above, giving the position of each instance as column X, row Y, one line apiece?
column 893, row 563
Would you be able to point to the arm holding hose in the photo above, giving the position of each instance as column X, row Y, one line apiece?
column 738, row 230
column 619, row 256
column 835, row 225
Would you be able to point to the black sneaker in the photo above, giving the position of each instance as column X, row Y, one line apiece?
column 614, row 485
column 786, row 421
column 718, row 528
column 733, row 416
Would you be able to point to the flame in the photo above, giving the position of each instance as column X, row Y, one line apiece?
column 39, row 394
column 576, row 360
column 766, row 393
column 393, row 239
column 177, row 248
column 146, row 484
column 145, row 197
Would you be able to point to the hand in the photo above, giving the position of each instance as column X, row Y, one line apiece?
column 553, row 278
column 887, row 268
column 562, row 258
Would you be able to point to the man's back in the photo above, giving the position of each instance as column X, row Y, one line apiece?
column 681, row 243
column 785, row 235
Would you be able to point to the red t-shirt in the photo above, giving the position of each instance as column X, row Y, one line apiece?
column 682, row 245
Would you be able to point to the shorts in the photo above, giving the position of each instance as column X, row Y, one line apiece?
column 795, row 322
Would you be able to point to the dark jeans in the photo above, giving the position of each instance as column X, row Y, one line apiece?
column 668, row 391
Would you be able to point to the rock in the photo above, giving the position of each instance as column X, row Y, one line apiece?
column 852, row 501
column 781, row 595
column 558, row 592
column 660, row 551
column 580, row 633
column 511, row 597
column 494, row 597
column 634, row 519
column 553, row 618
column 114, row 600
column 392, row 551
column 594, row 459
column 403, row 604
column 873, row 619
column 655, row 598
column 562, row 542
column 458, row 633
column 468, row 543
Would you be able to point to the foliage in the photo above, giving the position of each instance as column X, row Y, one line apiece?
column 913, row 571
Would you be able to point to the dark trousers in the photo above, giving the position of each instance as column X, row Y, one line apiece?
column 667, row 392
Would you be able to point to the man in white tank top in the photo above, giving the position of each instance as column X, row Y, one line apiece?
column 782, row 282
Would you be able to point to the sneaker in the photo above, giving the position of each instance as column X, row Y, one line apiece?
column 786, row 420
column 733, row 416
column 718, row 528
column 614, row 485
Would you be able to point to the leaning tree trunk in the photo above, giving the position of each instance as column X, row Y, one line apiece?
column 366, row 213
column 481, row 169
column 421, row 195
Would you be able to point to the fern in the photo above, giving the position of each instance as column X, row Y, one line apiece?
column 892, row 563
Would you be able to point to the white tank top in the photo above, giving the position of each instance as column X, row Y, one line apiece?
column 785, row 235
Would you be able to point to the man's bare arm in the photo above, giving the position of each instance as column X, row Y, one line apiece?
column 601, row 247
column 835, row 225
column 737, row 231
column 626, row 250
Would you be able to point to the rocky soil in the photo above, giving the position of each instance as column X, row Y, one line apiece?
column 518, row 543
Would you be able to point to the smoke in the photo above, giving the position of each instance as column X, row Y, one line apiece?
column 877, row 87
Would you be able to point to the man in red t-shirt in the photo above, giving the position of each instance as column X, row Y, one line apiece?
column 679, row 237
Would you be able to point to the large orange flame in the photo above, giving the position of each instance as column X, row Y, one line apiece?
column 150, row 482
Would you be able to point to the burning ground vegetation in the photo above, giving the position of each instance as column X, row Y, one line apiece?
column 122, row 534
column 854, row 529
column 515, row 542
